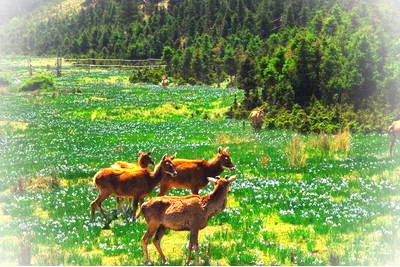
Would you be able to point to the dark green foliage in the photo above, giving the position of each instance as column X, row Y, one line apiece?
column 336, row 52
column 153, row 76
column 39, row 81
column 328, row 118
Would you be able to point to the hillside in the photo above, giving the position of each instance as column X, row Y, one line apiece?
column 35, row 10
column 296, row 52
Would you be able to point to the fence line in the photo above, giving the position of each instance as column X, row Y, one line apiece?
column 112, row 59
column 119, row 66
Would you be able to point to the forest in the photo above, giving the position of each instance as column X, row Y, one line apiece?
column 292, row 58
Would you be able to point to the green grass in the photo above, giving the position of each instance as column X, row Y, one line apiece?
column 340, row 208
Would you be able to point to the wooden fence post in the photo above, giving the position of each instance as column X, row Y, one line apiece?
column 58, row 66
column 30, row 67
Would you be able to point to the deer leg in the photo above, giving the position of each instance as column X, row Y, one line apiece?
column 96, row 204
column 152, row 228
column 128, row 207
column 193, row 237
column 134, row 208
column 130, row 202
column 157, row 242
column 93, row 206
column 196, row 248
column 163, row 190
column 102, row 198
column 141, row 200
column 119, row 204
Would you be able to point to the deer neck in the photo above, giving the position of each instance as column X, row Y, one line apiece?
column 216, row 201
column 214, row 167
column 156, row 175
column 142, row 165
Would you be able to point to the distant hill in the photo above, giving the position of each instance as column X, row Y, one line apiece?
column 36, row 9
column 14, row 8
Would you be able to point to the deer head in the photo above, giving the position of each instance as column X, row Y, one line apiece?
column 145, row 159
column 225, row 159
column 222, row 182
column 167, row 166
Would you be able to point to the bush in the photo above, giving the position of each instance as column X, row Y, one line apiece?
column 341, row 141
column 374, row 116
column 331, row 144
column 321, row 142
column 38, row 81
column 296, row 152
column 152, row 76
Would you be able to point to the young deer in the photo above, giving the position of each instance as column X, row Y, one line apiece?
column 192, row 174
column 129, row 183
column 183, row 213
column 144, row 161
column 394, row 133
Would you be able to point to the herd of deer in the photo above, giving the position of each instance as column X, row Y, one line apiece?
column 136, row 181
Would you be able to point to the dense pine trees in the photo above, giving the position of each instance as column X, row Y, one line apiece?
column 287, row 53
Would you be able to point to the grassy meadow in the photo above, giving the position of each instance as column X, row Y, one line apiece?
column 338, row 205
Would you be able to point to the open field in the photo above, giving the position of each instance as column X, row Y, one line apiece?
column 342, row 207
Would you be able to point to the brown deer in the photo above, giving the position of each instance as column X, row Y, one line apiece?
column 144, row 161
column 257, row 119
column 394, row 133
column 192, row 174
column 183, row 213
column 129, row 183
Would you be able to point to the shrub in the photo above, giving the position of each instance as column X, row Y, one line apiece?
column 331, row 143
column 152, row 76
column 374, row 116
column 322, row 118
column 296, row 152
column 38, row 81
column 320, row 142
column 341, row 141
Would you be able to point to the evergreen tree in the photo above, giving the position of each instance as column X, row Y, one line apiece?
column 247, row 80
column 167, row 56
column 186, row 64
column 230, row 64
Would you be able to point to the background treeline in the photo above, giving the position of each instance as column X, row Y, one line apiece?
column 299, row 59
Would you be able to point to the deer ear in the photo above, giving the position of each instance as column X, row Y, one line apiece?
column 165, row 156
column 226, row 149
column 232, row 178
column 217, row 177
column 173, row 156
column 212, row 180
column 140, row 152
column 220, row 150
